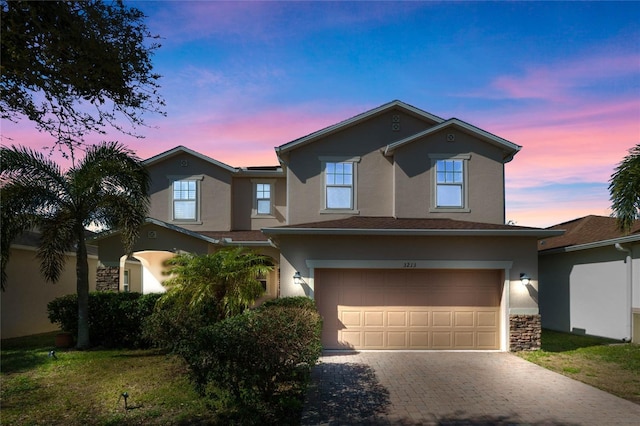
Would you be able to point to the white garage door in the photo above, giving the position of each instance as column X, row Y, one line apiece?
column 409, row 309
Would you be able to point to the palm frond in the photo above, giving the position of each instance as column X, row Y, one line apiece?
column 624, row 188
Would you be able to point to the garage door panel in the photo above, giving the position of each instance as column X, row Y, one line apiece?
column 465, row 317
column 397, row 319
column 374, row 319
column 418, row 319
column 441, row 340
column 441, row 319
column 463, row 340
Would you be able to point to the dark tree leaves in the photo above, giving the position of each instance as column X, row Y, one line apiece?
column 624, row 188
column 74, row 68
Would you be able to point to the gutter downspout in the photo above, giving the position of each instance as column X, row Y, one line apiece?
column 628, row 261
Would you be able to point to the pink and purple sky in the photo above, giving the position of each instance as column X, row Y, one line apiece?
column 560, row 79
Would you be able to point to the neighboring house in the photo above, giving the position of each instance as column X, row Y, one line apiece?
column 392, row 220
column 590, row 279
column 25, row 299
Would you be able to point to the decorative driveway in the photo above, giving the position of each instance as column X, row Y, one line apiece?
column 453, row 388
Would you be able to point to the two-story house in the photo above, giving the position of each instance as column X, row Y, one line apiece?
column 392, row 220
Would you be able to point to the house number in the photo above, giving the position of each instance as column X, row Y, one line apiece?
column 409, row 265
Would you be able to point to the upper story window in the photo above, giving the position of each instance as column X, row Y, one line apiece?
column 339, row 185
column 185, row 198
column 451, row 182
column 263, row 198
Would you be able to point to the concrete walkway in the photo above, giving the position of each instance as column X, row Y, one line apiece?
column 453, row 388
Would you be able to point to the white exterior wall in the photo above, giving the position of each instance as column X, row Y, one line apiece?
column 588, row 291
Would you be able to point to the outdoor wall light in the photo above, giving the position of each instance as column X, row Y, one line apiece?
column 524, row 279
column 297, row 278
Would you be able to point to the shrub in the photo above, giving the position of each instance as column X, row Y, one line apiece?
column 115, row 319
column 258, row 359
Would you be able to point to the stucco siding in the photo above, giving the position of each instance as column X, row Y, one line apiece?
column 214, row 191
column 467, row 252
column 244, row 216
column 374, row 184
column 414, row 178
column 24, row 303
column 586, row 291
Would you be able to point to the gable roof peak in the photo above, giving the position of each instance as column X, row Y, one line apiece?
column 283, row 149
column 183, row 149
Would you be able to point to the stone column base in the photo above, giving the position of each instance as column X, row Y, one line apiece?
column 524, row 332
column 108, row 278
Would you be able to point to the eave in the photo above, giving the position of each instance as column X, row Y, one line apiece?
column 596, row 244
column 510, row 148
column 283, row 149
column 537, row 233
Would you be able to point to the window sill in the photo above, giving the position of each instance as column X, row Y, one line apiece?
column 449, row 210
column 262, row 216
column 186, row 222
column 339, row 211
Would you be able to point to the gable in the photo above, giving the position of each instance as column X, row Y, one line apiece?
column 448, row 128
column 399, row 107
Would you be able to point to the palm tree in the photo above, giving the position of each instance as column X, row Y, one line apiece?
column 223, row 283
column 109, row 188
column 624, row 188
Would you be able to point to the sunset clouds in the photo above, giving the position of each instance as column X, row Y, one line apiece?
column 560, row 79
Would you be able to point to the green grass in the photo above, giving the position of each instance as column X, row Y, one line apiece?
column 606, row 364
column 85, row 387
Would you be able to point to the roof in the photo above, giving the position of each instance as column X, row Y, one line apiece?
column 31, row 239
column 355, row 120
column 213, row 237
column 588, row 232
column 257, row 171
column 183, row 149
column 363, row 225
column 509, row 148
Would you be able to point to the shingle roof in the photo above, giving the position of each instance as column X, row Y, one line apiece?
column 585, row 230
column 236, row 236
column 367, row 222
column 390, row 226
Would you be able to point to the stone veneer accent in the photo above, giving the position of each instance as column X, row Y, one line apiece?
column 108, row 278
column 524, row 332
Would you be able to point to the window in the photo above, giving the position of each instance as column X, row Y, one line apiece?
column 125, row 281
column 184, row 200
column 449, row 183
column 263, row 198
column 339, row 185
column 262, row 279
column 450, row 191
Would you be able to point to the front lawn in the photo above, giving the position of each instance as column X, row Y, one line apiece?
column 606, row 364
column 86, row 387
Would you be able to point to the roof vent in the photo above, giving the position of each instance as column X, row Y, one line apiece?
column 451, row 137
column 395, row 122
column 152, row 234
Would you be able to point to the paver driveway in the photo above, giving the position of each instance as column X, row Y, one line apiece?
column 453, row 388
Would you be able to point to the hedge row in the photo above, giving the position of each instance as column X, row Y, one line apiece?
column 259, row 362
column 115, row 319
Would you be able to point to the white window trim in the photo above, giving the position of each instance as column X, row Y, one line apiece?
column 254, row 208
column 198, row 179
column 465, row 183
column 126, row 280
column 354, row 195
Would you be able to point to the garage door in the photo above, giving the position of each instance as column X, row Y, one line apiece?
column 409, row 309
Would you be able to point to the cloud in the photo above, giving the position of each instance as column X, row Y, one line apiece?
column 543, row 206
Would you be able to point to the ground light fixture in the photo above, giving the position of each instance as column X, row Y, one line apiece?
column 525, row 279
column 297, row 278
